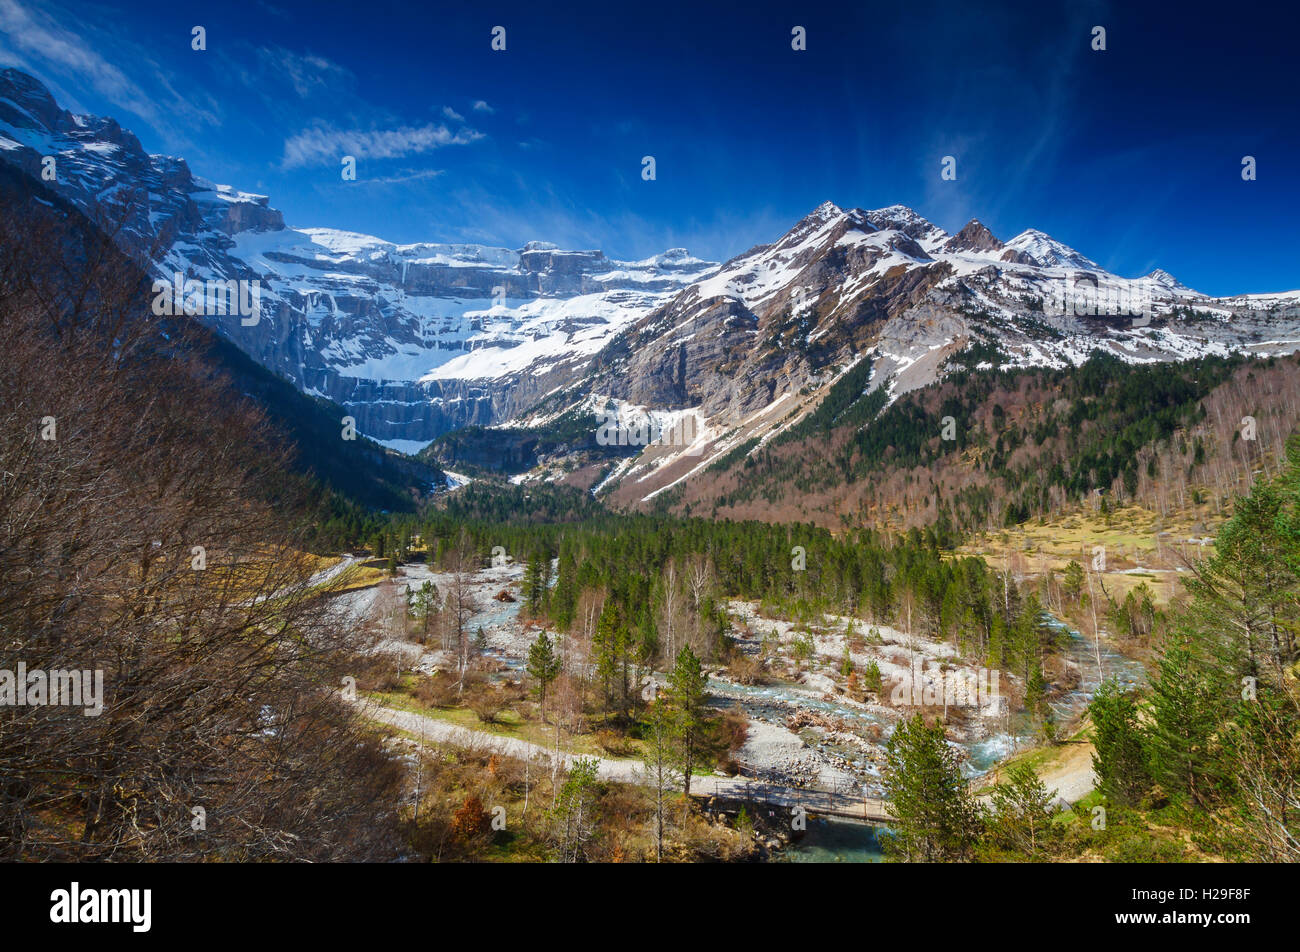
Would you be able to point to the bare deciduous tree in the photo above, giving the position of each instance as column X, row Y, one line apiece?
column 144, row 533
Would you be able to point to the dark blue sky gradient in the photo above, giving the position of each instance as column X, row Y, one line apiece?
column 1132, row 155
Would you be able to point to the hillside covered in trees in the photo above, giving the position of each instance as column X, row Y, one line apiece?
column 1203, row 764
column 992, row 448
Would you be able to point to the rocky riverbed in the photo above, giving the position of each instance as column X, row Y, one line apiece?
column 809, row 724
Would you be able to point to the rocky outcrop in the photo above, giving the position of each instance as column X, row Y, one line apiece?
column 974, row 237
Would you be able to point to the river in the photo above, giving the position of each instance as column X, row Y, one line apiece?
column 833, row 840
column 839, row 840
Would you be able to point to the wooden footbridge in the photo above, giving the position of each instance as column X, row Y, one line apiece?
column 837, row 802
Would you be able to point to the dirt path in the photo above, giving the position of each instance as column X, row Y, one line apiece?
column 621, row 770
column 436, row 731
column 1070, row 776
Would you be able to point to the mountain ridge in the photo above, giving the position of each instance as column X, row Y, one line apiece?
column 425, row 339
column 347, row 316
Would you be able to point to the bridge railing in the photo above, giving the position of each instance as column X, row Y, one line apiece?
column 843, row 799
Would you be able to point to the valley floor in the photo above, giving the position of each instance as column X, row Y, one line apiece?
column 805, row 730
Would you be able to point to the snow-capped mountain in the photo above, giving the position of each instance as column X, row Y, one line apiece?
column 750, row 349
column 843, row 285
column 419, row 340
column 422, row 339
column 1035, row 248
column 415, row 340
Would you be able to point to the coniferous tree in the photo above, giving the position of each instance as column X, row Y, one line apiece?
column 574, row 811
column 935, row 817
column 871, row 677
column 1247, row 595
column 1022, row 811
column 660, row 762
column 684, row 695
column 1187, row 708
column 1072, row 585
column 543, row 666
column 1119, row 759
column 536, row 584
column 607, row 646
column 422, row 603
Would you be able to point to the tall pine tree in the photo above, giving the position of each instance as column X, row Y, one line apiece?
column 935, row 817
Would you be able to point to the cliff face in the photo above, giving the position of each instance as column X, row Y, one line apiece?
column 754, row 347
column 415, row 340
column 420, row 340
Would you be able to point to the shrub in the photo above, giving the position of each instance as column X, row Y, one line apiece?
column 471, row 819
column 745, row 669
column 437, row 691
column 730, row 730
column 486, row 702
column 614, row 744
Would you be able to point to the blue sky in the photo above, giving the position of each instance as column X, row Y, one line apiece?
column 1132, row 155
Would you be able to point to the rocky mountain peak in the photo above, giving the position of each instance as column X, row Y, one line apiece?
column 825, row 212
column 903, row 219
column 1161, row 276
column 973, row 237
column 1038, row 248
column 819, row 218
column 31, row 96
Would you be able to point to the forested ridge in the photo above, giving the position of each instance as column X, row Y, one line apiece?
column 992, row 448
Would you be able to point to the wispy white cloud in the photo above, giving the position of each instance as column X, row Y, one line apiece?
column 402, row 178
column 285, row 81
column 325, row 142
column 307, row 73
column 971, row 129
column 36, row 40
column 481, row 106
column 272, row 10
column 452, row 114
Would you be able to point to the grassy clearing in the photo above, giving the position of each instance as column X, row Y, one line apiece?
column 509, row 723
column 356, row 576
column 1134, row 539
column 1131, row 536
